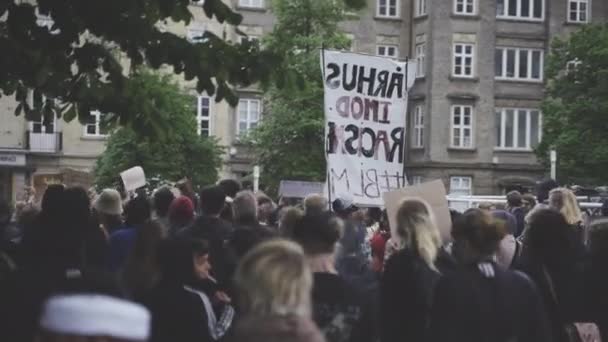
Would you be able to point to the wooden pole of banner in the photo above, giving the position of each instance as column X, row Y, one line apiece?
column 407, row 64
column 329, row 200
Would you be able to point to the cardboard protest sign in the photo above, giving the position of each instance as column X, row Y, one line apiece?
column 365, row 116
column 298, row 189
column 133, row 178
column 433, row 193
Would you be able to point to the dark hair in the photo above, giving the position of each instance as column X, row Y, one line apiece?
column 543, row 189
column 550, row 238
column 141, row 270
column 318, row 234
column 162, row 200
column 480, row 229
column 176, row 258
column 514, row 198
column 137, row 211
column 230, row 186
column 530, row 199
column 213, row 200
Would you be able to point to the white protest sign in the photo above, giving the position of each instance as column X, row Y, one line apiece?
column 365, row 116
column 433, row 193
column 133, row 178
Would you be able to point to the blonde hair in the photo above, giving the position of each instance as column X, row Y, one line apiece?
column 274, row 279
column 416, row 229
column 315, row 204
column 565, row 202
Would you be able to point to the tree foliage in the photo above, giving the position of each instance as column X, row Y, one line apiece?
column 575, row 110
column 182, row 154
column 289, row 142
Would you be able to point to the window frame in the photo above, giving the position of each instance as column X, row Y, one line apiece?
column 530, row 62
column 388, row 6
column 242, row 4
column 578, row 12
column 464, row 6
column 463, row 55
column 501, row 145
column 420, row 51
column 195, row 39
column 97, row 115
column 518, row 16
column 418, row 126
column 387, row 47
column 462, row 127
column 200, row 118
column 420, row 8
column 248, row 121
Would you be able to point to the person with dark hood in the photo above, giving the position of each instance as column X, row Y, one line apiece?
column 186, row 305
column 555, row 258
column 63, row 253
column 479, row 301
column 137, row 212
column 410, row 274
column 162, row 199
column 210, row 227
column 343, row 312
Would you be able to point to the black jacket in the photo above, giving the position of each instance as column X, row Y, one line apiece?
column 406, row 295
column 471, row 305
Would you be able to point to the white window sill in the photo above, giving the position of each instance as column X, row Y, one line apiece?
column 518, row 80
column 462, row 149
column 513, row 150
column 386, row 17
column 531, row 20
column 94, row 137
column 569, row 22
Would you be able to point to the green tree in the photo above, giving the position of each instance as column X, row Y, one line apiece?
column 183, row 153
column 70, row 57
column 290, row 139
column 575, row 111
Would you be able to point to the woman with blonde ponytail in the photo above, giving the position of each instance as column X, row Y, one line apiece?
column 411, row 273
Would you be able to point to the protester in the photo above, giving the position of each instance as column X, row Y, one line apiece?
column 185, row 301
column 480, row 301
column 108, row 206
column 508, row 248
column 83, row 317
column 554, row 257
column 288, row 220
column 315, row 204
column 341, row 310
column 564, row 201
column 597, row 276
column 266, row 211
column 487, row 206
column 354, row 252
column 231, row 187
column 528, row 202
column 410, row 274
column 121, row 242
column 248, row 231
column 186, row 189
column 142, row 270
column 8, row 245
column 210, row 227
column 273, row 284
column 163, row 197
column 181, row 214
column 542, row 191
column 515, row 207
column 378, row 243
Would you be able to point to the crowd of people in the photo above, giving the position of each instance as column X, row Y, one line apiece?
column 226, row 264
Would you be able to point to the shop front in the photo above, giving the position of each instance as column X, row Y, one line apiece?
column 12, row 175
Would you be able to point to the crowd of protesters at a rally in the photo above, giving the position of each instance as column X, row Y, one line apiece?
column 226, row 264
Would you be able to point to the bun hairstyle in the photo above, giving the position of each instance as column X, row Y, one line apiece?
column 481, row 230
column 318, row 234
column 416, row 229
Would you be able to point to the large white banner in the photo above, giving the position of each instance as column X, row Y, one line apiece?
column 365, row 118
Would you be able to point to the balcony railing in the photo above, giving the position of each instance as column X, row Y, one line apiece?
column 44, row 142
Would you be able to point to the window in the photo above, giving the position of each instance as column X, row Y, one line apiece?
column 465, row 7
column 249, row 115
column 251, row 3
column 420, row 59
column 519, row 64
column 388, row 8
column 39, row 126
column 462, row 127
column 387, row 51
column 420, row 8
column 578, row 11
column 520, row 9
column 203, row 116
column 460, row 186
column 195, row 35
column 518, row 129
column 95, row 127
column 418, row 126
column 464, row 56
